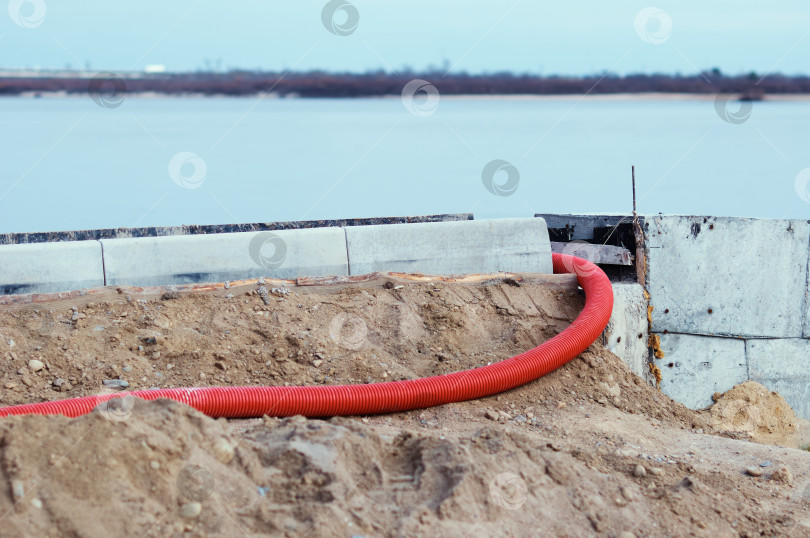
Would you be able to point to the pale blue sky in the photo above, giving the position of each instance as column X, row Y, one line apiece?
column 582, row 37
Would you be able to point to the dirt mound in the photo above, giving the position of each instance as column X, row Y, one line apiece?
column 590, row 449
column 752, row 409
column 354, row 335
column 161, row 469
column 102, row 474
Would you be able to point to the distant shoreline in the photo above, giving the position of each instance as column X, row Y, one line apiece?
column 110, row 87
column 623, row 97
column 635, row 96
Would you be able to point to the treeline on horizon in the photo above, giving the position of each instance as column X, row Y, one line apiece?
column 323, row 84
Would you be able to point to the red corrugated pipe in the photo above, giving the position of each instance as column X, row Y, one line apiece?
column 325, row 401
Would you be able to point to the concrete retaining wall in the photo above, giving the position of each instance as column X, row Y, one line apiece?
column 464, row 246
column 730, row 304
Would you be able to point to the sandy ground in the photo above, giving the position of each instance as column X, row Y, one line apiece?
column 589, row 450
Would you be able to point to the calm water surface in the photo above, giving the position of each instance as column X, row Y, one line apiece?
column 70, row 164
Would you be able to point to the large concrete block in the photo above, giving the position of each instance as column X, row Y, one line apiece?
column 728, row 276
column 695, row 367
column 781, row 358
column 626, row 332
column 50, row 267
column 476, row 246
column 783, row 365
column 183, row 259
